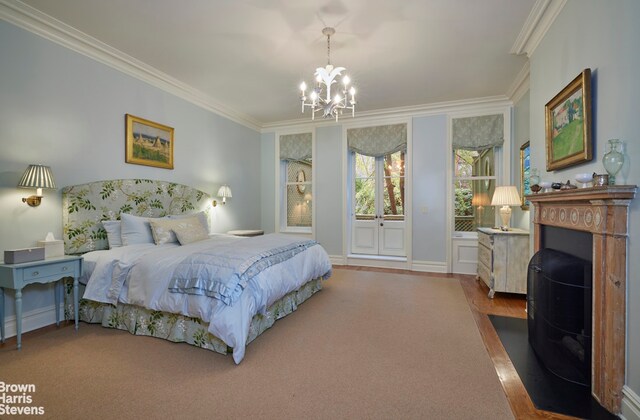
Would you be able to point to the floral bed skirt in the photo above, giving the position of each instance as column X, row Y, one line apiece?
column 179, row 328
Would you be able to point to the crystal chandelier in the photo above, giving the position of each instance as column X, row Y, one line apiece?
column 320, row 99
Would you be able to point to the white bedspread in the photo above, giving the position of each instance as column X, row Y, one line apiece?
column 140, row 275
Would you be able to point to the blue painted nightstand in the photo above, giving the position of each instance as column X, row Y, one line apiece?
column 50, row 270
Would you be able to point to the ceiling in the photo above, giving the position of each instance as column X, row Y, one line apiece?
column 251, row 55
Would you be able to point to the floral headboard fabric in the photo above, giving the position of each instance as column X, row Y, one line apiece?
column 85, row 206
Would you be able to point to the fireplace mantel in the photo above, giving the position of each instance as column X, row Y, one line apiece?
column 603, row 211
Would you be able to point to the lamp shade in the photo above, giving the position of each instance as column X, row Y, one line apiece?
column 506, row 196
column 480, row 199
column 37, row 176
column 224, row 192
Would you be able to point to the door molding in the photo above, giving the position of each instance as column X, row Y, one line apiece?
column 346, row 192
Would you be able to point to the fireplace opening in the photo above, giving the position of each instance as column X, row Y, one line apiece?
column 559, row 312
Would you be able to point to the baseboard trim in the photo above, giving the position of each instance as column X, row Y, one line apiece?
column 337, row 260
column 630, row 407
column 429, row 266
column 32, row 320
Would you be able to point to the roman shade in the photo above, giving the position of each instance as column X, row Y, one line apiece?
column 478, row 133
column 377, row 141
column 295, row 146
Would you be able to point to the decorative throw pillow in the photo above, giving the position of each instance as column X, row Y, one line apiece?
column 162, row 230
column 135, row 230
column 204, row 218
column 113, row 229
column 190, row 230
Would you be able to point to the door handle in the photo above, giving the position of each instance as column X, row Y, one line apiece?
column 381, row 224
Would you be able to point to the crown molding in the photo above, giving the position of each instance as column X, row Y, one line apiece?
column 520, row 85
column 380, row 115
column 538, row 22
column 41, row 24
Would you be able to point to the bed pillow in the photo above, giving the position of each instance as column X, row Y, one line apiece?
column 190, row 230
column 135, row 230
column 162, row 230
column 204, row 218
column 113, row 228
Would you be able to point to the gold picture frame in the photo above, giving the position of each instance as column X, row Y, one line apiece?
column 568, row 124
column 148, row 143
column 525, row 169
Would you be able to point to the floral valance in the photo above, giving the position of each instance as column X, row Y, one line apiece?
column 295, row 146
column 377, row 141
column 478, row 133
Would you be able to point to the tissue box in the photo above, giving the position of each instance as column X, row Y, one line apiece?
column 53, row 248
column 17, row 256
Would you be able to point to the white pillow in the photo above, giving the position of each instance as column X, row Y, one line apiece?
column 204, row 218
column 135, row 230
column 113, row 228
column 190, row 230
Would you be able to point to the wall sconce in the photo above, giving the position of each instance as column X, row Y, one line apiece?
column 38, row 177
column 224, row 192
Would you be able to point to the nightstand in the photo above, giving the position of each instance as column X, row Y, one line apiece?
column 246, row 232
column 50, row 270
column 503, row 258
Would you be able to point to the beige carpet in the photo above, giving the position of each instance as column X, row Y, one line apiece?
column 370, row 345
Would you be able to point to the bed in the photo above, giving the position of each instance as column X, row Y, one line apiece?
column 218, row 292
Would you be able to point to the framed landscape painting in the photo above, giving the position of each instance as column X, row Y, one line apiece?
column 568, row 124
column 148, row 143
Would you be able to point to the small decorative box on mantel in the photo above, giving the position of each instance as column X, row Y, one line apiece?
column 16, row 256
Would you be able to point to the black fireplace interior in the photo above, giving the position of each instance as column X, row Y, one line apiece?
column 559, row 313
column 559, row 303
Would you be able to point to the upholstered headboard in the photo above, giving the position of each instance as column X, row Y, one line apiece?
column 85, row 206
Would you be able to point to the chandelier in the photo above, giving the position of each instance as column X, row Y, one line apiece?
column 320, row 99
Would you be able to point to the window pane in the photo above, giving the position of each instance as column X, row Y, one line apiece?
column 473, row 205
column 299, row 205
column 298, row 171
column 365, row 166
column 394, row 164
column 393, row 197
column 465, row 162
column 365, row 198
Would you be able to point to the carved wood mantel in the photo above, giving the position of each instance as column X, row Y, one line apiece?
column 603, row 211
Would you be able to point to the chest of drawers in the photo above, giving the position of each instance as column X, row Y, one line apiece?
column 503, row 257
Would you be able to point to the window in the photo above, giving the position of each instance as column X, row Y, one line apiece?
column 390, row 169
column 298, row 193
column 474, row 183
column 475, row 140
column 296, row 183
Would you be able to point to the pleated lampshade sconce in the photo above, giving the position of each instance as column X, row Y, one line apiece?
column 38, row 177
column 224, row 192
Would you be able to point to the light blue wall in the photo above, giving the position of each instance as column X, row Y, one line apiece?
column 601, row 35
column 62, row 109
column 519, row 218
column 430, row 188
column 267, row 176
column 329, row 188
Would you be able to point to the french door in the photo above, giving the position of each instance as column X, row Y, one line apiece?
column 378, row 221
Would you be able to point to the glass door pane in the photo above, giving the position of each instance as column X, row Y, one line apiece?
column 365, row 187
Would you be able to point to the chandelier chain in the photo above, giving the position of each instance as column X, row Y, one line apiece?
column 328, row 49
